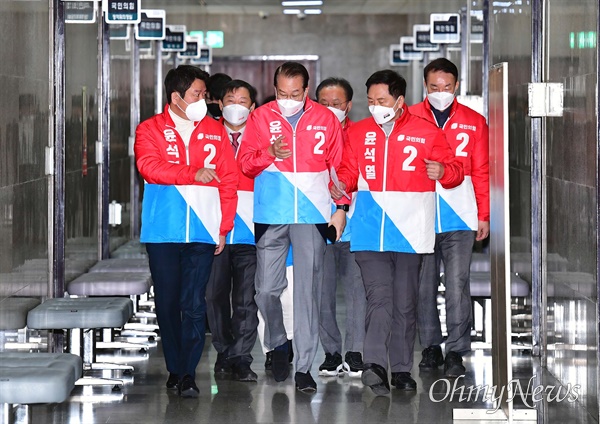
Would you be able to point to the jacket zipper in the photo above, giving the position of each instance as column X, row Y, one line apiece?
column 387, row 137
column 187, row 206
column 230, row 241
column 294, row 153
column 437, row 196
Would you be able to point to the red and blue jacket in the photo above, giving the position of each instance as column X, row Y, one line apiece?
column 292, row 190
column 176, row 208
column 459, row 208
column 395, row 204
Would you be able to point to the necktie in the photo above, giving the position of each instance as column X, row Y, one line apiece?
column 234, row 141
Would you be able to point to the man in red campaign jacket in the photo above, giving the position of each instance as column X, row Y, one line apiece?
column 290, row 146
column 336, row 94
column 462, row 216
column 393, row 160
column 189, row 203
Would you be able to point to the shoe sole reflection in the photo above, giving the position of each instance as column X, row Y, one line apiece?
column 369, row 378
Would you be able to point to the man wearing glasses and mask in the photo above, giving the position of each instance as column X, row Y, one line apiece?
column 336, row 95
column 290, row 145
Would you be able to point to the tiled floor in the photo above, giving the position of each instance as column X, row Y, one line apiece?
column 144, row 398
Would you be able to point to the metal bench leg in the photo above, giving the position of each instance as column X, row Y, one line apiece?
column 7, row 413
column 108, row 342
column 82, row 343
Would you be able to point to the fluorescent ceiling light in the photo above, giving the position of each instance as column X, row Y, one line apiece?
column 302, row 3
column 312, row 11
column 291, row 11
column 502, row 3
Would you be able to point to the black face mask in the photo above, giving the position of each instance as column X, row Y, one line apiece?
column 214, row 110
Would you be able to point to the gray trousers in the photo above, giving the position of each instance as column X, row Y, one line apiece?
column 340, row 265
column 455, row 249
column 308, row 251
column 391, row 284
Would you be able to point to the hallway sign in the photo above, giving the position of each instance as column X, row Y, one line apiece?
column 395, row 56
column 152, row 25
column 122, row 12
column 445, row 28
column 192, row 49
column 205, row 57
column 80, row 12
column 407, row 49
column 174, row 38
column 422, row 36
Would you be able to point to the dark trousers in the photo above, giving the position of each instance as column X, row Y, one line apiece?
column 454, row 248
column 231, row 309
column 180, row 273
column 391, row 284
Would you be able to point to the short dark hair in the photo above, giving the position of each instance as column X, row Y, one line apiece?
column 233, row 85
column 216, row 84
column 181, row 79
column 395, row 82
column 441, row 64
column 291, row 70
column 336, row 82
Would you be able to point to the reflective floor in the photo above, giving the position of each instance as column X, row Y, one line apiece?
column 144, row 399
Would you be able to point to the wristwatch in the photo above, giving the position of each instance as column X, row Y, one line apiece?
column 345, row 208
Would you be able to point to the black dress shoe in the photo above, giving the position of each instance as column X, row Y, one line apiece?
column 172, row 382
column 453, row 365
column 188, row 388
column 269, row 361
column 243, row 372
column 222, row 365
column 432, row 358
column 305, row 383
column 403, row 381
column 281, row 365
column 375, row 376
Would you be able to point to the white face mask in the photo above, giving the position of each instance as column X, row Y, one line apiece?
column 195, row 111
column 289, row 107
column 383, row 114
column 235, row 114
column 440, row 100
column 340, row 114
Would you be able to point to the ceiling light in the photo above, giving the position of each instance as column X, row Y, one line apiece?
column 302, row 3
column 312, row 11
column 291, row 11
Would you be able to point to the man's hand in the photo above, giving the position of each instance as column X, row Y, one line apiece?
column 336, row 193
column 435, row 170
column 483, row 230
column 206, row 175
column 219, row 247
column 279, row 148
column 338, row 220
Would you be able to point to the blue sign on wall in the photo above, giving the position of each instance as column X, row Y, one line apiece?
column 121, row 11
column 151, row 26
column 174, row 38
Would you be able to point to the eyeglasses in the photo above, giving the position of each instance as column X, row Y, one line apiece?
column 337, row 105
column 298, row 97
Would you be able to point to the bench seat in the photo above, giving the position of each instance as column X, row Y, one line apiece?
column 83, row 312
column 122, row 265
column 110, row 283
column 481, row 285
column 27, row 378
